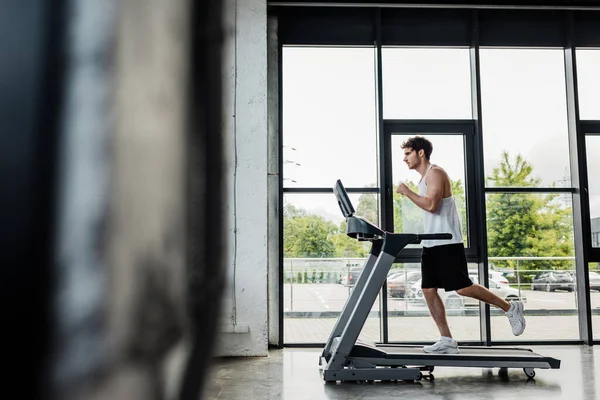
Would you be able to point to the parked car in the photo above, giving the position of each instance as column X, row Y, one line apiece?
column 550, row 281
column 393, row 273
column 398, row 284
column 349, row 277
column 594, row 281
column 495, row 275
column 453, row 300
column 503, row 291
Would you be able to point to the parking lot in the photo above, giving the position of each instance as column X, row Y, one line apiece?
column 311, row 311
column 332, row 297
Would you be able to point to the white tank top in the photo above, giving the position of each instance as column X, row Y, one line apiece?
column 444, row 220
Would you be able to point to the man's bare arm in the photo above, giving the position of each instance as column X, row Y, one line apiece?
column 435, row 190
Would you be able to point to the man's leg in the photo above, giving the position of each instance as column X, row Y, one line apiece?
column 446, row 345
column 437, row 310
column 429, row 285
column 513, row 311
column 483, row 294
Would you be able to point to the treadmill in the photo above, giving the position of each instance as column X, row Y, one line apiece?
column 345, row 358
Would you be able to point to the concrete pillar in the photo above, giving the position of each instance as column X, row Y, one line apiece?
column 244, row 329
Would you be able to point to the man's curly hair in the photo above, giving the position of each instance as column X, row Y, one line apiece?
column 419, row 143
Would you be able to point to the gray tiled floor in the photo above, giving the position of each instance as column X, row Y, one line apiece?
column 294, row 374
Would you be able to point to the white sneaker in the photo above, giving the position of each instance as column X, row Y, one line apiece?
column 516, row 318
column 445, row 345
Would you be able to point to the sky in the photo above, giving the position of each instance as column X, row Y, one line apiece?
column 329, row 113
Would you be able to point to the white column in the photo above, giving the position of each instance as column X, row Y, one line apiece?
column 244, row 330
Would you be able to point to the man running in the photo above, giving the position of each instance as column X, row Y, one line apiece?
column 443, row 262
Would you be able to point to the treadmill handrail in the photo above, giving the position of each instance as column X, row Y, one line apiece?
column 433, row 236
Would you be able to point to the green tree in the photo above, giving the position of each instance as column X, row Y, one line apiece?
column 345, row 246
column 458, row 191
column 526, row 224
column 307, row 235
column 407, row 216
column 555, row 232
column 291, row 211
column 511, row 173
column 368, row 207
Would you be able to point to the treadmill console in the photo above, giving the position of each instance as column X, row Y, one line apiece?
column 343, row 200
column 356, row 227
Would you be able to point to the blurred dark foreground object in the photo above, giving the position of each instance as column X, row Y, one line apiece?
column 111, row 208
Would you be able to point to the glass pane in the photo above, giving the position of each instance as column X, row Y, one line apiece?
column 524, row 117
column 448, row 153
column 592, row 146
column 321, row 265
column 329, row 119
column 407, row 307
column 421, row 83
column 594, row 276
column 530, row 242
column 588, row 83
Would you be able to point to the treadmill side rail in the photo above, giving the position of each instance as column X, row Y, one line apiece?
column 353, row 299
column 474, row 362
column 360, row 311
column 372, row 374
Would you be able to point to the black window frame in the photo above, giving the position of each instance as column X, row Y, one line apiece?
column 568, row 25
column 433, row 128
column 587, row 128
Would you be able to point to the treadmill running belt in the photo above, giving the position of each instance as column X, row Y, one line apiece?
column 415, row 354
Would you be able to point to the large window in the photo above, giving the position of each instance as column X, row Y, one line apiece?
column 406, row 303
column 329, row 119
column 530, row 242
column 588, row 62
column 588, row 65
column 321, row 264
column 525, row 116
column 530, row 235
column 329, row 133
column 426, row 83
column 449, row 154
column 592, row 146
column 336, row 111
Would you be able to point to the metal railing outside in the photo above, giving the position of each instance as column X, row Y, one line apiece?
column 345, row 271
column 319, row 270
column 519, row 272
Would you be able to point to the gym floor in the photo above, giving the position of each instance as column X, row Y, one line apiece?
column 294, row 374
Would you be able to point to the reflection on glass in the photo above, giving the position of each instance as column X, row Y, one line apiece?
column 588, row 83
column 421, row 83
column 448, row 153
column 329, row 119
column 322, row 264
column 530, row 242
column 592, row 145
column 524, row 117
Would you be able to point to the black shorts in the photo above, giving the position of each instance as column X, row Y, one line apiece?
column 444, row 267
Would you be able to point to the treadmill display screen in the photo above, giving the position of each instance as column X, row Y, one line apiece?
column 343, row 199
